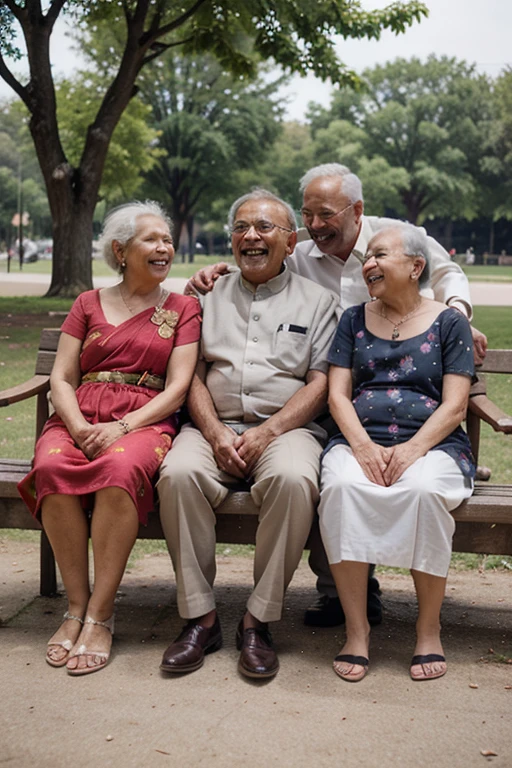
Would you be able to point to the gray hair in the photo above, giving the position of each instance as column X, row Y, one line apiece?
column 121, row 224
column 258, row 193
column 414, row 243
column 350, row 184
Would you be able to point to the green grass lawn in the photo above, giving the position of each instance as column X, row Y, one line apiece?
column 488, row 274
column 101, row 269
column 477, row 272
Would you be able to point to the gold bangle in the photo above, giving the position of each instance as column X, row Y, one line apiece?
column 124, row 426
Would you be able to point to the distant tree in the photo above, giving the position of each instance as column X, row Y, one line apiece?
column 298, row 35
column 424, row 122
column 19, row 173
column 132, row 150
column 211, row 125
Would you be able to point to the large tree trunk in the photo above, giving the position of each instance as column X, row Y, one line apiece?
column 72, row 250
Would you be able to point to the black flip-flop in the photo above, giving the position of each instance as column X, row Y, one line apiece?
column 427, row 659
column 361, row 661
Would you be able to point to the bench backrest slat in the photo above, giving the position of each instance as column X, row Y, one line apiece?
column 47, row 350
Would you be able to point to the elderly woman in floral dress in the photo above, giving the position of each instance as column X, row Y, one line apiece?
column 401, row 367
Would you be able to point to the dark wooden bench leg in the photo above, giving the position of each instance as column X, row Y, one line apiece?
column 48, row 585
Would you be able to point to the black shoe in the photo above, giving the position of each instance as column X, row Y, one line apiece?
column 374, row 609
column 258, row 658
column 327, row 612
column 187, row 652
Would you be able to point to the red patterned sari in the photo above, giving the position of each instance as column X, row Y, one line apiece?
column 135, row 346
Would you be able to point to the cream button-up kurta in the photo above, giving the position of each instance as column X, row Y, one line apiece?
column 259, row 344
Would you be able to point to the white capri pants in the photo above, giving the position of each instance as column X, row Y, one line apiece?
column 405, row 525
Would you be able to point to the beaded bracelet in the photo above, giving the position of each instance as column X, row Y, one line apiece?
column 124, row 426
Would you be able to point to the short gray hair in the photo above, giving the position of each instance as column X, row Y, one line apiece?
column 121, row 224
column 350, row 184
column 262, row 194
column 414, row 243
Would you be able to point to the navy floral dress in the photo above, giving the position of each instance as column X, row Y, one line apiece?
column 397, row 385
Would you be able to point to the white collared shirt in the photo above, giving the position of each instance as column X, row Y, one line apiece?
column 448, row 283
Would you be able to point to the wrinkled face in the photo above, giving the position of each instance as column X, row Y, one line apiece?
column 260, row 254
column 386, row 269
column 333, row 222
column 150, row 252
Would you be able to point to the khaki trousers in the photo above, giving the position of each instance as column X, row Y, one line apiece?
column 285, row 490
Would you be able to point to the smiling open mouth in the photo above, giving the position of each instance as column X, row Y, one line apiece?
column 375, row 278
column 321, row 238
column 254, row 251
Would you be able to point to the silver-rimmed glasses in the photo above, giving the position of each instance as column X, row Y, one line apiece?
column 323, row 215
column 262, row 227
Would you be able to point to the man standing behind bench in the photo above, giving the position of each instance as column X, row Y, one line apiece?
column 260, row 384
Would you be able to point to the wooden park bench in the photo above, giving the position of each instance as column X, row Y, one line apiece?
column 484, row 522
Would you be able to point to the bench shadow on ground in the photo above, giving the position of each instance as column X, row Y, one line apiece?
column 147, row 620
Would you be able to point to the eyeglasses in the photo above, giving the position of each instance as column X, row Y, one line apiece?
column 262, row 227
column 324, row 215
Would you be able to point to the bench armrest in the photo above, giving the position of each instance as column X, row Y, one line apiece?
column 30, row 388
column 489, row 412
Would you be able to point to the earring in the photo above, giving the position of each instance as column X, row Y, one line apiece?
column 123, row 264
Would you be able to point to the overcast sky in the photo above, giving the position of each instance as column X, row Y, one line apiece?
column 477, row 31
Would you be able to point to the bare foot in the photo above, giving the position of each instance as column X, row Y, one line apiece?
column 61, row 643
column 92, row 649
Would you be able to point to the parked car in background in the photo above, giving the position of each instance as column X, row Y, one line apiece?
column 44, row 248
column 29, row 250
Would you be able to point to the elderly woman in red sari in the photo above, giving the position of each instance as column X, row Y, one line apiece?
column 124, row 364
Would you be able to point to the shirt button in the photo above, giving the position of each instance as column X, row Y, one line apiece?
column 255, row 338
column 247, row 393
column 249, row 362
column 256, row 317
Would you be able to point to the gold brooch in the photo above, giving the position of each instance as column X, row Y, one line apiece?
column 166, row 319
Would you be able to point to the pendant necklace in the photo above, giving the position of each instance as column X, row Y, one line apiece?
column 396, row 333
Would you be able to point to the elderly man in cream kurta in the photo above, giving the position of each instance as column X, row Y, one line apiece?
column 259, row 386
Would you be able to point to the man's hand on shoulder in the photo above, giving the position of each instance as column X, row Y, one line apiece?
column 204, row 280
column 479, row 345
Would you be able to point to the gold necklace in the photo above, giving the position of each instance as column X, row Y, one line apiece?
column 396, row 333
column 132, row 311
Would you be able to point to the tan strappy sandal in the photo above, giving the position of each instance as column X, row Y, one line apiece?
column 67, row 644
column 82, row 649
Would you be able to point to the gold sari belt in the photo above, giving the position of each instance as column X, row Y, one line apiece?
column 117, row 377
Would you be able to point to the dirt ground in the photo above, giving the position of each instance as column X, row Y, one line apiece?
column 131, row 714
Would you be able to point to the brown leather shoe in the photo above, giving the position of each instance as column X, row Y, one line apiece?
column 187, row 652
column 258, row 658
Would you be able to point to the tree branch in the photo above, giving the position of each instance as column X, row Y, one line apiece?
column 54, row 11
column 15, row 9
column 150, row 37
column 18, row 88
column 158, row 48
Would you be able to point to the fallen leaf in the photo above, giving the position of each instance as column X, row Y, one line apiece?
column 508, row 687
column 109, row 738
column 488, row 753
column 162, row 752
column 473, row 685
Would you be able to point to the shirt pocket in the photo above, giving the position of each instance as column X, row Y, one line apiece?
column 292, row 352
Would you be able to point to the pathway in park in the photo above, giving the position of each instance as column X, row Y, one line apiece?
column 22, row 284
